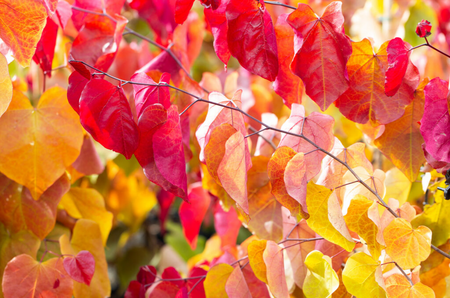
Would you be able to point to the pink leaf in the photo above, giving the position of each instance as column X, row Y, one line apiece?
column 106, row 115
column 236, row 286
column 251, row 37
column 227, row 225
column 81, row 267
column 192, row 213
column 276, row 277
column 63, row 14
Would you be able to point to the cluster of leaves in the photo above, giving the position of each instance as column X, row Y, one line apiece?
column 325, row 220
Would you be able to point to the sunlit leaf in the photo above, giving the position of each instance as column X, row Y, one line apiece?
column 255, row 256
column 398, row 286
column 216, row 280
column 236, row 286
column 80, row 267
column 321, row 280
column 5, row 85
column 276, row 277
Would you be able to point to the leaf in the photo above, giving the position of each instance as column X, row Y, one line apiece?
column 326, row 216
column 321, row 280
column 357, row 220
column 295, row 179
column 21, row 212
column 256, row 249
column 322, row 51
column 14, row 244
column 182, row 8
column 398, row 52
column 405, row 245
column 199, row 290
column 88, row 162
column 80, row 267
column 397, row 185
column 26, row 277
column 362, row 275
column 317, row 128
column 106, row 115
column 45, row 48
column 5, row 85
column 41, row 162
column 436, row 218
column 145, row 96
column 287, row 85
column 98, row 40
column 236, row 286
column 436, row 120
column 79, row 18
column 21, row 26
column 89, row 204
column 217, row 19
column 264, row 210
column 276, row 278
column 251, row 37
column 86, row 235
column 275, row 170
column 192, row 213
column 215, row 281
column 401, row 141
column 227, row 225
column 77, row 82
column 257, row 287
column 62, row 14
column 365, row 100
column 398, row 286
column 263, row 147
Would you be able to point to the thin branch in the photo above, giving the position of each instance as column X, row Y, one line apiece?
column 440, row 251
column 263, row 137
column 404, row 273
column 193, row 287
column 255, row 132
column 280, row 4
column 427, row 44
column 356, row 181
column 301, row 239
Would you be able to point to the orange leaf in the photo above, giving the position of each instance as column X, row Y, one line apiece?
column 26, row 277
column 87, row 236
column 276, row 277
column 401, row 141
column 397, row 286
column 255, row 257
column 405, row 245
column 20, row 212
column 21, row 25
column 5, row 85
column 365, row 99
column 29, row 158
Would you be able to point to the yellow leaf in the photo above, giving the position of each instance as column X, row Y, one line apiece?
column 89, row 204
column 215, row 281
column 87, row 236
column 405, row 245
column 6, row 86
column 42, row 142
column 397, row 286
column 326, row 217
column 321, row 280
column 358, row 220
column 255, row 256
column 361, row 276
column 397, row 186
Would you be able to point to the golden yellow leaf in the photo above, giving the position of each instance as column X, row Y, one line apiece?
column 42, row 141
column 255, row 256
column 87, row 236
column 397, row 286
column 405, row 245
column 215, row 281
column 6, row 86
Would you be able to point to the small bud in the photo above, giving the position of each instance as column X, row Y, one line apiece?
column 423, row 28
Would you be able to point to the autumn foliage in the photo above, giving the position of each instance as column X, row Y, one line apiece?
column 224, row 148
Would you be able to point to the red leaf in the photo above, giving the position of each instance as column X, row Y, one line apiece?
column 77, row 82
column 182, row 293
column 106, row 115
column 287, row 85
column 214, row 4
column 217, row 19
column 146, row 275
column 195, row 285
column 172, row 273
column 322, row 52
column 227, row 225
column 423, row 29
column 135, row 290
column 165, row 200
column 98, row 41
column 81, row 267
column 45, row 48
column 435, row 123
column 192, row 213
column 63, row 14
column 163, row 289
column 79, row 18
column 145, row 96
column 399, row 66
column 256, row 286
column 251, row 37
column 159, row 14
column 182, row 8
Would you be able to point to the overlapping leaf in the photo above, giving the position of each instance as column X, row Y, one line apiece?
column 216, row 280
column 365, row 100
column 276, row 277
column 80, row 267
column 217, row 19
column 145, row 95
column 45, row 48
column 398, row 286
column 322, row 280
column 28, row 157
column 401, row 141
column 5, row 85
column 227, row 225
column 26, row 277
column 251, row 37
column 79, row 17
column 322, row 51
column 256, row 249
column 236, row 286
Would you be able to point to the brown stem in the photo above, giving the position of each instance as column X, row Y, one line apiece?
column 280, row 4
